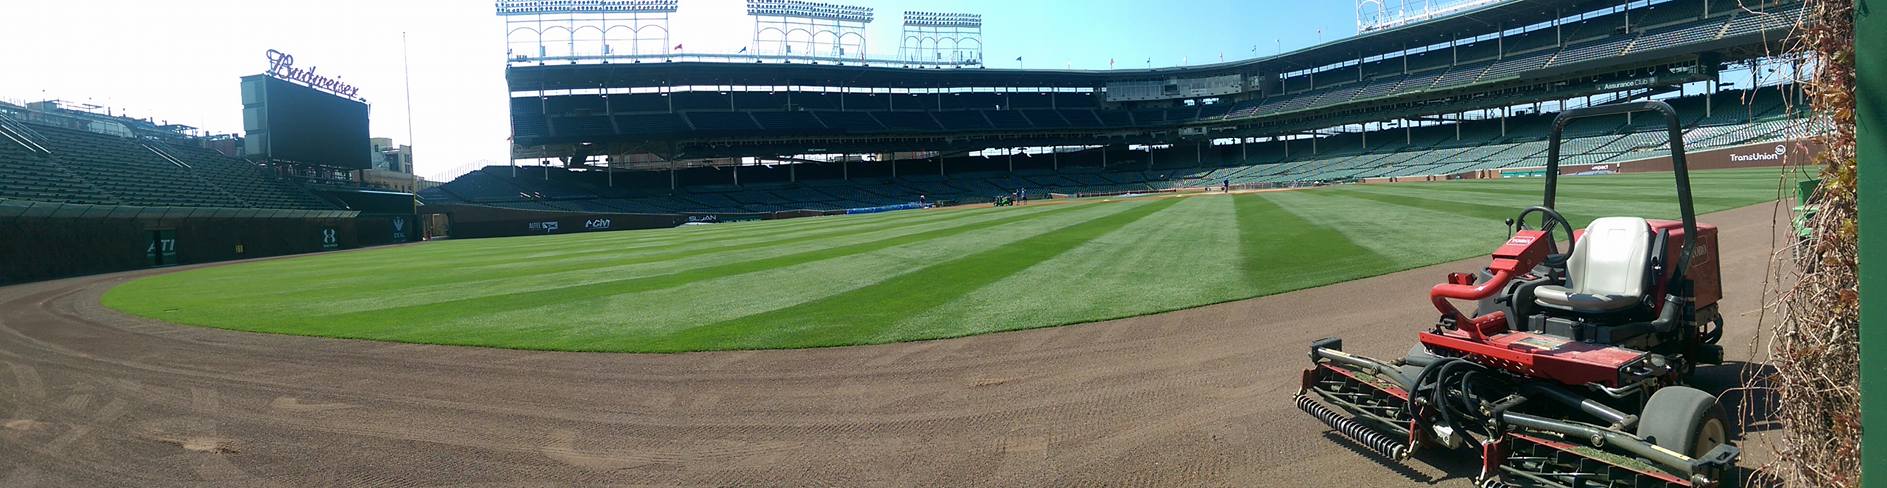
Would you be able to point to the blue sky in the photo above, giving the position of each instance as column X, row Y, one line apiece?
column 1053, row 34
column 179, row 61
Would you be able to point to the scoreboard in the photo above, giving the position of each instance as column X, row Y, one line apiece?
column 287, row 121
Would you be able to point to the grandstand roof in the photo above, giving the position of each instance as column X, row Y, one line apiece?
column 1460, row 25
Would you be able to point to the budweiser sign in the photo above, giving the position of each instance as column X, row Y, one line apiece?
column 282, row 65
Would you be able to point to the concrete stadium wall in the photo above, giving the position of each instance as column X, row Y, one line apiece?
column 478, row 221
column 39, row 247
column 1404, row 179
column 1758, row 155
column 1745, row 156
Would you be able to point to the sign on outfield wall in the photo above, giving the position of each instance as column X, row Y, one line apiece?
column 330, row 238
column 1758, row 155
column 399, row 229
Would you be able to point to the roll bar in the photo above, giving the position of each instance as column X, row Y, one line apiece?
column 1678, row 167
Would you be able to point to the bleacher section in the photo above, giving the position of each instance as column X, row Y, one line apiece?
column 53, row 164
column 1736, row 117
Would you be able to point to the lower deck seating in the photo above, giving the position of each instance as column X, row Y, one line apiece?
column 978, row 179
column 79, row 166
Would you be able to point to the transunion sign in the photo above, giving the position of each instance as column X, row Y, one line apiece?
column 1774, row 155
column 282, row 65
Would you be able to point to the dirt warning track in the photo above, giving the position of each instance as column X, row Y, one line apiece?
column 91, row 397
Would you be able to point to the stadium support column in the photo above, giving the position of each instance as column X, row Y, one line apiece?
column 1103, row 157
column 1711, row 97
column 671, row 179
column 1870, row 79
column 1012, row 160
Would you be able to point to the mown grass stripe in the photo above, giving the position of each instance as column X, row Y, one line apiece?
column 1570, row 192
column 574, row 246
column 1283, row 251
column 1408, row 233
column 866, row 312
column 538, row 298
column 1121, row 273
column 1465, row 209
column 614, row 257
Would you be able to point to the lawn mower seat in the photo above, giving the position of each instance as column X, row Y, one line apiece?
column 1606, row 273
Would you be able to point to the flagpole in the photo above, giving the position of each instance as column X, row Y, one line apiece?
column 406, row 71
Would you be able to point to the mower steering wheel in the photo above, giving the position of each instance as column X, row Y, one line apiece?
column 1550, row 218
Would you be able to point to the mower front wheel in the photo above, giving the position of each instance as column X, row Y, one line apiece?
column 1685, row 420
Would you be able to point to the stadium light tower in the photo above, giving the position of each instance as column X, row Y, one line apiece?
column 1375, row 15
column 936, row 38
column 795, row 29
column 576, row 31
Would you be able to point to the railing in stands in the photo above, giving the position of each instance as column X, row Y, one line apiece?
column 24, row 136
column 166, row 156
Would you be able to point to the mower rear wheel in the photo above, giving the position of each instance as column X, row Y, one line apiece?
column 1684, row 419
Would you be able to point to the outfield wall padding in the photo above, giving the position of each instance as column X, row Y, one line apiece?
column 477, row 221
column 1758, row 155
column 42, row 241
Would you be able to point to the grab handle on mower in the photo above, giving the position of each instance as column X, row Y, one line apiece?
column 1679, row 169
column 1474, row 326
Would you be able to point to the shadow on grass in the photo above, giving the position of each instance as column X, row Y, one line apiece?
column 1750, row 410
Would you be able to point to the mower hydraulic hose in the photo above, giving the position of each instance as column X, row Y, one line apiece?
column 1377, row 367
column 1440, row 294
column 1438, row 394
column 1595, row 435
column 1619, row 420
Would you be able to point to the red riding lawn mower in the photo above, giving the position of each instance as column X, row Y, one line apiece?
column 1571, row 371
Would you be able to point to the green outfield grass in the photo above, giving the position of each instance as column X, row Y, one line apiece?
column 901, row 276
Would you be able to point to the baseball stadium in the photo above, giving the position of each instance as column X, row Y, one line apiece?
column 1476, row 243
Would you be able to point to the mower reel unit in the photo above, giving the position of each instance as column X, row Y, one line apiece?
column 1570, row 372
